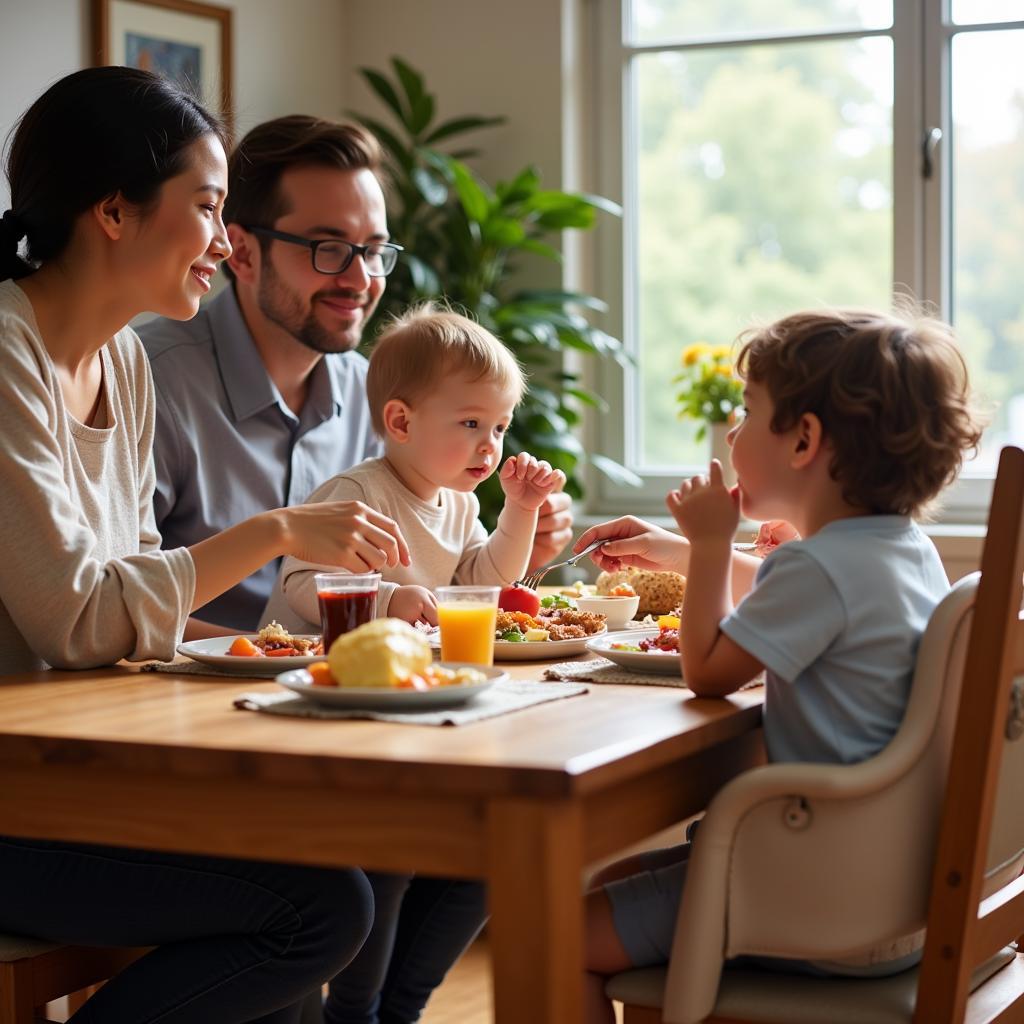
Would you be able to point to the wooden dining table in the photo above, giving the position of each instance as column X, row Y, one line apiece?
column 526, row 801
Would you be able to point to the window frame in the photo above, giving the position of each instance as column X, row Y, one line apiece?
column 921, row 36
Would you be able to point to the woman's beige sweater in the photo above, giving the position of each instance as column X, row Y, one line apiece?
column 83, row 581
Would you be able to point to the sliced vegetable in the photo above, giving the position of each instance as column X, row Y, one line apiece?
column 556, row 601
column 243, row 647
column 512, row 636
column 321, row 674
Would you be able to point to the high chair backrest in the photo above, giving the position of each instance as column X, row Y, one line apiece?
column 981, row 843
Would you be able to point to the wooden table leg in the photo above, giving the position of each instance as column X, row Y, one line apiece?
column 535, row 868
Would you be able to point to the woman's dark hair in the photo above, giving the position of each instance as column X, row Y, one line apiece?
column 96, row 133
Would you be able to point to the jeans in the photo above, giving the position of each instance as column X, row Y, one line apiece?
column 237, row 941
column 421, row 927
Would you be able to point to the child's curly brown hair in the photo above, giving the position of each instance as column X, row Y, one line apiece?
column 891, row 392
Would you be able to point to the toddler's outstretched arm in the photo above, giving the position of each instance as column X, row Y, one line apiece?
column 526, row 482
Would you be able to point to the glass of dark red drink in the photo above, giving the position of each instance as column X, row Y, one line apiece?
column 346, row 600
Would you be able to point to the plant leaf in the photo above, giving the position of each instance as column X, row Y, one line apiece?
column 387, row 137
column 588, row 398
column 422, row 114
column 432, row 190
column 386, row 91
column 615, row 471
column 412, row 81
column 458, row 125
column 474, row 199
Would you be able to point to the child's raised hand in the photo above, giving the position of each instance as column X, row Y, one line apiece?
column 704, row 508
column 527, row 482
column 413, row 604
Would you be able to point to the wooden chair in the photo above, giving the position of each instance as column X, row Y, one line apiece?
column 34, row 973
column 831, row 862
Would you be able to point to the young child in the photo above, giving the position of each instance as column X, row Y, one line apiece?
column 442, row 391
column 855, row 421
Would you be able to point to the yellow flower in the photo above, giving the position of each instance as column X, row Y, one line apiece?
column 694, row 353
column 724, row 370
column 721, row 351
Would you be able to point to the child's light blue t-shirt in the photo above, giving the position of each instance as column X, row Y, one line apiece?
column 836, row 620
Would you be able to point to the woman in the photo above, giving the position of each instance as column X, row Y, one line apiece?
column 117, row 182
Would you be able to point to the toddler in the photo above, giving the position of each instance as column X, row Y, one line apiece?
column 442, row 391
column 855, row 421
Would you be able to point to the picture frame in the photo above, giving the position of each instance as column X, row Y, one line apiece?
column 187, row 41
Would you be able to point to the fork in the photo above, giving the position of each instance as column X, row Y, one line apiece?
column 532, row 580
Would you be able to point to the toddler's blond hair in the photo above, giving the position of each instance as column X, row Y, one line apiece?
column 426, row 344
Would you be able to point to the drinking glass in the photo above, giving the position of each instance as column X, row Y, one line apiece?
column 467, row 617
column 346, row 600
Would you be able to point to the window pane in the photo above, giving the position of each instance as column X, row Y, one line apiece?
column 763, row 184
column 653, row 21
column 988, row 226
column 978, row 12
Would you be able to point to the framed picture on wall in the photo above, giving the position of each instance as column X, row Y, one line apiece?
column 187, row 41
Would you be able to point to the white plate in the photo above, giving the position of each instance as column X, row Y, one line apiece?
column 215, row 652
column 661, row 662
column 378, row 698
column 534, row 650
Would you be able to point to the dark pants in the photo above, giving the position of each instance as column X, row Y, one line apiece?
column 421, row 927
column 238, row 941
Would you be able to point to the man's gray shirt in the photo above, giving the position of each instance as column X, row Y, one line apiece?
column 227, row 447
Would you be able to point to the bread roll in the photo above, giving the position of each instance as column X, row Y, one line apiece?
column 659, row 592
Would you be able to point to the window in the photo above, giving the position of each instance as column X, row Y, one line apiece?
column 776, row 156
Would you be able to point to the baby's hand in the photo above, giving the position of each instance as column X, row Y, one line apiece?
column 527, row 482
column 414, row 604
column 705, row 509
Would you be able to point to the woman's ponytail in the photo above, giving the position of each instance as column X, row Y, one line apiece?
column 12, row 231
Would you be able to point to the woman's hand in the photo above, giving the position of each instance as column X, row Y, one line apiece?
column 413, row 604
column 347, row 534
column 632, row 541
column 704, row 508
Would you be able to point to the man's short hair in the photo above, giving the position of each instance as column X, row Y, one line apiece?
column 425, row 345
column 298, row 140
column 891, row 392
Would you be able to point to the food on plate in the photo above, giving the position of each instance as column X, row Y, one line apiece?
column 577, row 589
column 666, row 642
column 559, row 619
column 622, row 590
column 274, row 641
column 518, row 598
column 387, row 653
column 658, row 591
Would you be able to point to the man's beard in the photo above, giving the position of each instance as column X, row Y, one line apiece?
column 284, row 308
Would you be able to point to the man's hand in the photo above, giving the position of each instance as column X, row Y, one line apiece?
column 413, row 604
column 704, row 508
column 554, row 529
column 527, row 482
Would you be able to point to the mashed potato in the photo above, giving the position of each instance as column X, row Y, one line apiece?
column 384, row 652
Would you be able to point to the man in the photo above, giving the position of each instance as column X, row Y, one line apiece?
column 261, row 397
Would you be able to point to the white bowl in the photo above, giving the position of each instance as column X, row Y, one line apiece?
column 618, row 611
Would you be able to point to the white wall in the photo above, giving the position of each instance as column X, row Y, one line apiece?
column 485, row 57
column 288, row 56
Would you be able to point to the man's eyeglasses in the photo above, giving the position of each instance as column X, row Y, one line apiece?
column 333, row 256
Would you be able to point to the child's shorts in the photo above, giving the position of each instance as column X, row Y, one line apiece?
column 645, row 907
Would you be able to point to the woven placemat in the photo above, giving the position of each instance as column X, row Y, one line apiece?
column 187, row 667
column 500, row 699
column 601, row 670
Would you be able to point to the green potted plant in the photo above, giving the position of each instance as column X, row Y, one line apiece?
column 462, row 239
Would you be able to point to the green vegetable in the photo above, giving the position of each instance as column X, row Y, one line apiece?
column 512, row 636
column 557, row 601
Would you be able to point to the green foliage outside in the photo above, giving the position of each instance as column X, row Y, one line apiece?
column 765, row 177
column 464, row 240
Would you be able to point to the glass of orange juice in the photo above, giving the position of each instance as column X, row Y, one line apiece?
column 467, row 617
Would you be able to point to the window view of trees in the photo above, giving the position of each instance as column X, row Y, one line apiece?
column 762, row 177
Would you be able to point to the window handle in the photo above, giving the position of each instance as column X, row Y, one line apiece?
column 930, row 143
